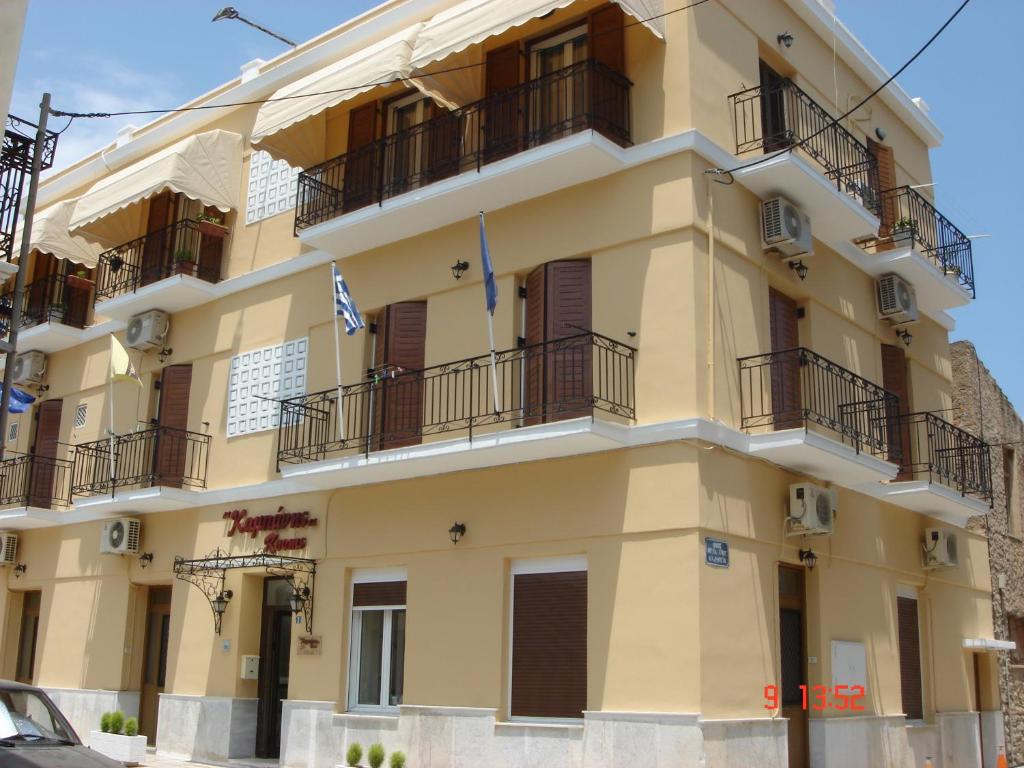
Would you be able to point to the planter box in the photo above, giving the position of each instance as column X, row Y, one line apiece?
column 212, row 229
column 80, row 283
column 185, row 268
column 130, row 750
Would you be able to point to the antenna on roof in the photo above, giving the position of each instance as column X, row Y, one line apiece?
column 229, row 12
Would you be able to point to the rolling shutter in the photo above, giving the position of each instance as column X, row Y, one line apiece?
column 378, row 593
column 172, row 442
column 785, row 374
column 894, row 379
column 886, row 181
column 549, row 644
column 401, row 361
column 910, row 658
column 502, row 116
column 362, row 169
column 45, row 449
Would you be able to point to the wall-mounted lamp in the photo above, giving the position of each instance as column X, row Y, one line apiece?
column 800, row 268
column 19, row 570
column 458, row 268
column 880, row 133
column 905, row 336
column 145, row 559
column 298, row 599
column 456, row 532
column 785, row 39
column 164, row 353
column 219, row 605
column 808, row 558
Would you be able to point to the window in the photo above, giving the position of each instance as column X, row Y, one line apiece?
column 1013, row 520
column 12, row 431
column 560, row 99
column 273, row 186
column 260, row 377
column 81, row 414
column 549, row 639
column 377, row 641
column 28, row 637
column 910, row 656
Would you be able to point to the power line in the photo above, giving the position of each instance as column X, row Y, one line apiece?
column 364, row 86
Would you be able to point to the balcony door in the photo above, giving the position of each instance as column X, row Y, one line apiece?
column 558, row 375
column 775, row 131
column 399, row 355
column 894, row 380
column 44, row 450
column 557, row 106
column 407, row 146
column 172, row 440
column 785, row 366
column 886, row 181
column 156, row 249
column 362, row 166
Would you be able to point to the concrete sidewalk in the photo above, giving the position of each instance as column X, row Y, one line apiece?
column 158, row 761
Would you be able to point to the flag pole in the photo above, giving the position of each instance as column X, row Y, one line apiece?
column 337, row 353
column 494, row 364
column 489, row 275
column 110, row 390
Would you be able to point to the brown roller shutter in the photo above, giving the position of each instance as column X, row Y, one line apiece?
column 362, row 169
column 46, row 444
column 886, row 182
column 172, row 452
column 211, row 250
column 501, row 118
column 910, row 658
column 785, row 374
column 156, row 251
column 607, row 37
column 378, row 593
column 400, row 392
column 894, row 379
column 549, row 644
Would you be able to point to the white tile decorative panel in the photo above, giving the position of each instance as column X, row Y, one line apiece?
column 272, row 187
column 258, row 379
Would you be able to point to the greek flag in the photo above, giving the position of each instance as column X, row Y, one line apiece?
column 490, row 287
column 344, row 306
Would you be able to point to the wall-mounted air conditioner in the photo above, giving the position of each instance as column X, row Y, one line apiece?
column 148, row 330
column 121, row 537
column 897, row 301
column 939, row 549
column 812, row 510
column 29, row 368
column 785, row 229
column 8, row 549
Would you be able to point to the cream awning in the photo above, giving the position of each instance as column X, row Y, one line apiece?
column 50, row 235
column 205, row 167
column 292, row 126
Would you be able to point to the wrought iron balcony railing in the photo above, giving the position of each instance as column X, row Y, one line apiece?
column 27, row 480
column 778, row 116
column 15, row 164
column 584, row 96
column 180, row 249
column 796, row 387
column 551, row 381
column 909, row 218
column 159, row 456
column 55, row 298
column 943, row 453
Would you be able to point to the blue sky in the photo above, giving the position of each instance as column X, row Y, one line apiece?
column 109, row 55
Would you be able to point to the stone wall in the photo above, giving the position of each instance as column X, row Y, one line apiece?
column 980, row 407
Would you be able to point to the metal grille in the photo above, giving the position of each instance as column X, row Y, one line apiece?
column 81, row 412
column 15, row 165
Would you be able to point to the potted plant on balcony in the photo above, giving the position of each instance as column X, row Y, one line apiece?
column 80, row 280
column 212, row 226
column 904, row 226
column 184, row 262
column 119, row 739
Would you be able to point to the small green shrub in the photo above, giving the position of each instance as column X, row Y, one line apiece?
column 131, row 726
column 105, row 722
column 116, row 721
column 375, row 755
column 354, row 753
column 397, row 759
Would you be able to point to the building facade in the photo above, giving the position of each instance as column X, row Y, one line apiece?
column 594, row 547
column 980, row 406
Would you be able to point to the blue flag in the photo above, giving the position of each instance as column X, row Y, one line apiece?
column 344, row 306
column 490, row 287
column 20, row 400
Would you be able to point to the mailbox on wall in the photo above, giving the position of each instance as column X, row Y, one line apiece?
column 250, row 667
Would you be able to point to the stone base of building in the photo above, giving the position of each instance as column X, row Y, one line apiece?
column 84, row 707
column 206, row 727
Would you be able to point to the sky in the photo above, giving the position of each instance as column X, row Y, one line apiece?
column 112, row 55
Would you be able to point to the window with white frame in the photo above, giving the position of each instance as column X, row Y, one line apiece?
column 273, row 185
column 377, row 640
column 261, row 377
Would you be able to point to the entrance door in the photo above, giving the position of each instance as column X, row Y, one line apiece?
column 894, row 380
column 171, row 456
column 785, row 337
column 400, row 349
column 28, row 637
column 154, row 671
column 45, row 451
column 793, row 652
column 156, row 251
column 275, row 652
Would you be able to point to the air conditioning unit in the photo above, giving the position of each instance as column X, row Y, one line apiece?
column 148, row 330
column 29, row 368
column 939, row 549
column 785, row 229
column 121, row 537
column 897, row 301
column 8, row 549
column 812, row 510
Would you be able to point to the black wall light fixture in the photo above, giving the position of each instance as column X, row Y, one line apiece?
column 458, row 268
column 456, row 532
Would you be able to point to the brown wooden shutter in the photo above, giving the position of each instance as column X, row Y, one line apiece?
column 362, row 169
column 910, row 658
column 607, row 37
column 379, row 593
column 549, row 644
column 774, row 130
column 569, row 367
column 533, row 395
column 444, row 143
column 401, row 390
column 77, row 300
column 211, row 250
column 886, row 182
column 785, row 369
column 156, row 251
column 43, row 475
column 172, row 440
column 894, row 379
column 501, row 117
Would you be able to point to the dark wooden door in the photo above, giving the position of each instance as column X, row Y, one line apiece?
column 275, row 657
column 793, row 657
column 28, row 637
column 401, row 347
column 211, row 250
column 898, row 433
column 910, row 657
column 606, row 35
column 774, row 127
column 785, row 367
column 504, row 105
column 156, row 250
column 886, row 181
column 172, row 448
column 41, row 293
column 444, row 143
column 77, row 298
column 362, row 164
column 154, row 670
column 43, row 472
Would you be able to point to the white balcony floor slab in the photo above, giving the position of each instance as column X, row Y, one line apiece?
column 52, row 337
column 810, row 453
column 27, row 518
column 932, row 499
column 936, row 292
column 139, row 501
column 172, row 294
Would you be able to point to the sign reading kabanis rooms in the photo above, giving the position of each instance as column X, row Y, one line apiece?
column 274, row 524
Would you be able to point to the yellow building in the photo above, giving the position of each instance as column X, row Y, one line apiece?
column 702, row 507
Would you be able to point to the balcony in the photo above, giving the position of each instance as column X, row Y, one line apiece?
column 15, row 165
column 31, row 486
column 812, row 416
column 54, row 312
column 838, row 188
column 153, row 470
column 545, row 134
column 172, row 269
column 925, row 248
column 549, row 396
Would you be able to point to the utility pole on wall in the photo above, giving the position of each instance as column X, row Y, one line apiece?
column 11, row 345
